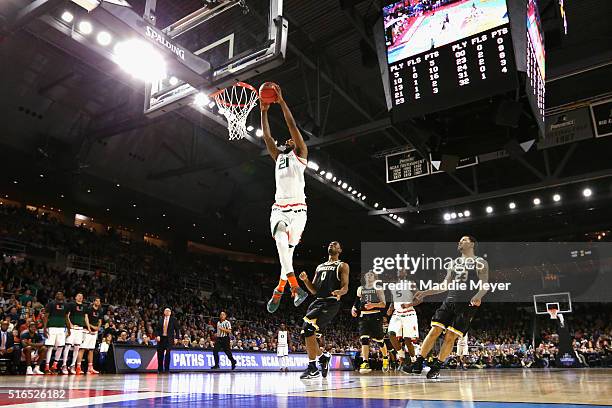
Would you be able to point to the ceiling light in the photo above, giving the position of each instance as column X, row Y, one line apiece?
column 105, row 39
column 163, row 215
column 587, row 192
column 85, row 27
column 401, row 220
column 537, row 201
column 375, row 205
column 118, row 185
column 489, row 209
column 313, row 165
column 328, row 175
column 512, row 206
column 67, row 16
column 173, row 81
column 344, row 185
column 334, row 179
column 134, row 205
column 453, row 215
column 557, row 198
column 467, row 213
column 15, row 182
column 350, row 189
column 359, row 195
column 460, row 215
column 259, row 133
column 363, row 197
column 355, row 192
column 201, row 99
column 140, row 59
column 322, row 172
column 88, row 190
column 384, row 209
column 250, row 128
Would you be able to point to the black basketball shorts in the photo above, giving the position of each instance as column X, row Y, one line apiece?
column 320, row 313
column 454, row 316
column 371, row 325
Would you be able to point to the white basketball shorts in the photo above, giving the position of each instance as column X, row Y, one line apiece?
column 76, row 336
column 89, row 340
column 462, row 346
column 57, row 337
column 405, row 326
column 292, row 215
column 282, row 351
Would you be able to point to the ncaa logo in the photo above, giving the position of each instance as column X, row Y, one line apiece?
column 132, row 359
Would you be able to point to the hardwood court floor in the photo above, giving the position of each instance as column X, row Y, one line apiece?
column 473, row 388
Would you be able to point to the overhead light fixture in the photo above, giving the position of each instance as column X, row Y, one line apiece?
column 489, row 209
column 105, row 39
column 355, row 192
column 173, row 81
column 334, row 179
column 467, row 213
column 67, row 16
column 15, row 182
column 211, row 104
column 401, row 220
column 201, row 99
column 460, row 215
column 118, row 185
column 362, row 198
column 41, row 175
column 375, row 205
column 587, row 192
column 339, row 182
column 85, row 27
column 350, row 189
column 453, row 215
column 537, row 201
column 557, row 198
column 313, row 165
column 322, row 172
column 328, row 175
column 259, row 133
column 384, row 209
column 344, row 185
column 512, row 205
column 139, row 59
column 359, row 195
column 250, row 128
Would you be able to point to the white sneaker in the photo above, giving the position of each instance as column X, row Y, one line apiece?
column 72, row 370
column 29, row 371
column 64, row 370
column 37, row 371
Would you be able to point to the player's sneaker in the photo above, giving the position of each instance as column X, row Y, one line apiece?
column 274, row 301
column 407, row 368
column 29, row 371
column 434, row 372
column 385, row 365
column 365, row 367
column 37, row 371
column 324, row 361
column 72, row 370
column 299, row 295
column 233, row 364
column 65, row 370
column 91, row 371
column 78, row 371
column 417, row 366
column 311, row 372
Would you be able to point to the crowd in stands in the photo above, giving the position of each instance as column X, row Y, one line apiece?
column 145, row 281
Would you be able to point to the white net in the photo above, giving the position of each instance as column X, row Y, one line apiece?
column 235, row 103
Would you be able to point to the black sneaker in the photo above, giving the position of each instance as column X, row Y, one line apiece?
column 311, row 372
column 434, row 372
column 234, row 365
column 417, row 366
column 214, row 367
column 324, row 361
column 407, row 368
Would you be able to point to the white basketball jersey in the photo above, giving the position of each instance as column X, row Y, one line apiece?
column 398, row 310
column 282, row 338
column 289, row 174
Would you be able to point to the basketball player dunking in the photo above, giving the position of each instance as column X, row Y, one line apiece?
column 329, row 285
column 288, row 215
column 459, row 307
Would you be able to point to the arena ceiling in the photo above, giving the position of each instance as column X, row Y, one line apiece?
column 78, row 122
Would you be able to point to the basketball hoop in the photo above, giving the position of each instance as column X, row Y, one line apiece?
column 235, row 103
column 553, row 313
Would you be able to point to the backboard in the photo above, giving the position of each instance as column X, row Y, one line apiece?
column 238, row 38
column 561, row 302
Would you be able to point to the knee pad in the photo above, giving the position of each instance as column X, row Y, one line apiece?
column 365, row 340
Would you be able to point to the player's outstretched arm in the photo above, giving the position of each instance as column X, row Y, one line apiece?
column 344, row 281
column 418, row 296
column 267, row 136
column 308, row 283
column 301, row 148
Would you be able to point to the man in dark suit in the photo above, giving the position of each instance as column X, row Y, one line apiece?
column 167, row 333
column 7, row 346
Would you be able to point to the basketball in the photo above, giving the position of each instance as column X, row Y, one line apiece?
column 267, row 94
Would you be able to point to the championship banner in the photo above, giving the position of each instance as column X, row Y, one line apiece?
column 203, row 360
column 142, row 359
column 567, row 127
column 602, row 118
column 406, row 166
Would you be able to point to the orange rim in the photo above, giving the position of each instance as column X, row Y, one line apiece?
column 219, row 98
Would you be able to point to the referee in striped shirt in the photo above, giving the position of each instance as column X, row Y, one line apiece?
column 224, row 329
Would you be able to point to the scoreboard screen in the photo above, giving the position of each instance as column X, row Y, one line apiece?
column 446, row 53
column 536, row 60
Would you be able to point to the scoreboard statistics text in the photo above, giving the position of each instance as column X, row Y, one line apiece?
column 447, row 54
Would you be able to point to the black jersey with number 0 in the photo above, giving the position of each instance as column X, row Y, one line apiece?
column 327, row 278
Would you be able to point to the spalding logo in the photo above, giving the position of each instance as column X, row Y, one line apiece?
column 132, row 359
column 155, row 36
